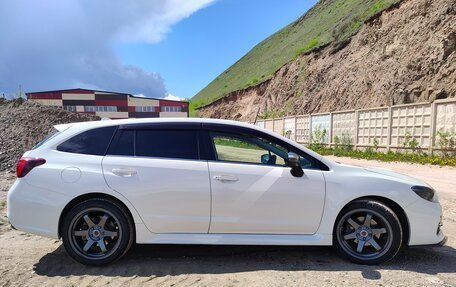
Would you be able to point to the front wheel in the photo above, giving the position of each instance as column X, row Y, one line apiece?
column 97, row 232
column 368, row 232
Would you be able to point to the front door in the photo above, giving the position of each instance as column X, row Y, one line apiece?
column 254, row 192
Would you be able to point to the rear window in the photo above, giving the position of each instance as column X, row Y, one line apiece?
column 52, row 134
column 181, row 144
column 123, row 143
column 93, row 142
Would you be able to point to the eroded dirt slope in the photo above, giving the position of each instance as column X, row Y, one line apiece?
column 407, row 54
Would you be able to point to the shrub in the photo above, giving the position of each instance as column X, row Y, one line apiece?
column 317, row 139
column 343, row 144
column 287, row 133
column 411, row 143
column 447, row 142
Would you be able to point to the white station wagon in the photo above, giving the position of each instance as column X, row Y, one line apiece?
column 102, row 186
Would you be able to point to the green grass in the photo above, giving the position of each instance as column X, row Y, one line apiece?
column 235, row 143
column 311, row 45
column 271, row 115
column 329, row 21
column 390, row 156
column 193, row 106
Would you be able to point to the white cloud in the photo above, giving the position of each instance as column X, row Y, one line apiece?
column 152, row 29
column 173, row 98
column 52, row 44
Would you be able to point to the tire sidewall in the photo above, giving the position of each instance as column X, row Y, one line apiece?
column 388, row 214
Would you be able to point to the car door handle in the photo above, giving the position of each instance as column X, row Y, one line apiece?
column 225, row 178
column 124, row 172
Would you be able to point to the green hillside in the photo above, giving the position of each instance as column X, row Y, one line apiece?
column 329, row 21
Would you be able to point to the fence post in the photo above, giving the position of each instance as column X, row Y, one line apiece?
column 310, row 130
column 295, row 129
column 389, row 129
column 356, row 129
column 330, row 129
column 433, row 127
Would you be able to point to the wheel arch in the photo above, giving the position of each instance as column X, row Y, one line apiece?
column 88, row 196
column 395, row 207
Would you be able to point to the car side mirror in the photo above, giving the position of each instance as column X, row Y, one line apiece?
column 265, row 158
column 293, row 162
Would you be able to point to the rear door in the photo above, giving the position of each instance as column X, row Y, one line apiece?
column 159, row 170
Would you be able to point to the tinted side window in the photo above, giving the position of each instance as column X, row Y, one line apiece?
column 251, row 149
column 246, row 149
column 182, row 144
column 123, row 143
column 52, row 134
column 94, row 141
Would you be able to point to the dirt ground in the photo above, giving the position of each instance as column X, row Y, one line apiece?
column 27, row 260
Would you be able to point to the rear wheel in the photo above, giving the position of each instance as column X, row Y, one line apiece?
column 368, row 232
column 97, row 232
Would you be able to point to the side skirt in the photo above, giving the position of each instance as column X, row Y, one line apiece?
column 237, row 239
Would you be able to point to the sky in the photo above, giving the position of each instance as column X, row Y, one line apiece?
column 154, row 48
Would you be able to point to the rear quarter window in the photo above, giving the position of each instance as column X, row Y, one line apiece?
column 52, row 134
column 93, row 142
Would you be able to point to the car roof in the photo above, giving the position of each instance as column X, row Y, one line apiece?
column 82, row 126
column 107, row 123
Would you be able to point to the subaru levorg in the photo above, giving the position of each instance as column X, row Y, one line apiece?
column 102, row 186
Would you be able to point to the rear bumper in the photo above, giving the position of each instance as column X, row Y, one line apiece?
column 12, row 226
column 34, row 210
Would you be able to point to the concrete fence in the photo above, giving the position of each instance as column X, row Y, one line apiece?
column 384, row 127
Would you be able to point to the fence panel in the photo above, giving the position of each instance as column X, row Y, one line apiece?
column 388, row 126
column 321, row 123
column 302, row 129
column 373, row 125
column 269, row 125
column 260, row 124
column 278, row 126
column 344, row 124
column 413, row 121
column 290, row 128
column 446, row 116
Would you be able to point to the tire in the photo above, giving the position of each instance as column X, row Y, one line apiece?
column 367, row 232
column 97, row 232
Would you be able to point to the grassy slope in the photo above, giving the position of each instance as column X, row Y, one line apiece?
column 328, row 21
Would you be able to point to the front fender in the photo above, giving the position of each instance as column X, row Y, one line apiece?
column 345, row 187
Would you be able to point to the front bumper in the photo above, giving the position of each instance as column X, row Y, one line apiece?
column 439, row 244
column 443, row 242
column 425, row 220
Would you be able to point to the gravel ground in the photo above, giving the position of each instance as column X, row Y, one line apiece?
column 28, row 260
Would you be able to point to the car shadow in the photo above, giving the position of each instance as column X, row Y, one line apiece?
column 163, row 260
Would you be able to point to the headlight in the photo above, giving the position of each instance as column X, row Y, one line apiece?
column 424, row 192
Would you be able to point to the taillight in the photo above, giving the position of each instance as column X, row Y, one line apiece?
column 26, row 164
